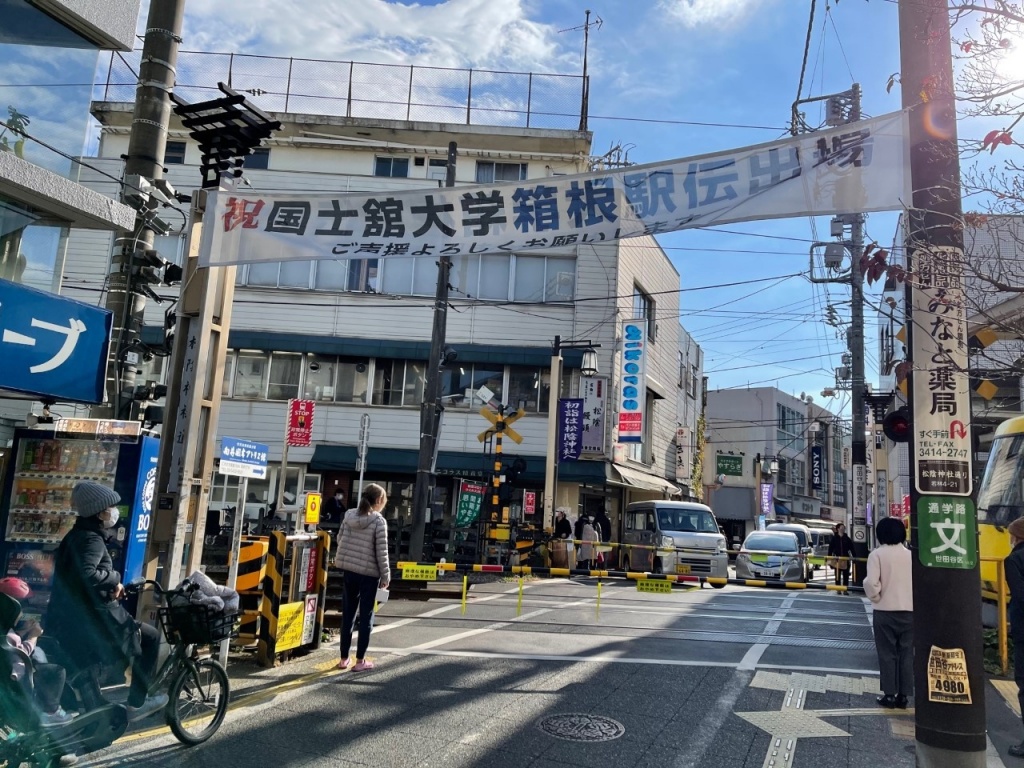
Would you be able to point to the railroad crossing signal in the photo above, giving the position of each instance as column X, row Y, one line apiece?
column 494, row 418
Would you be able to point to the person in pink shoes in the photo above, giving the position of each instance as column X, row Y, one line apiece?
column 363, row 558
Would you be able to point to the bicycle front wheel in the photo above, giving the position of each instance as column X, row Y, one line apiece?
column 198, row 701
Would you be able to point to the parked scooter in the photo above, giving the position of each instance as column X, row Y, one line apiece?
column 24, row 738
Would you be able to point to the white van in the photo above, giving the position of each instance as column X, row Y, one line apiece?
column 673, row 524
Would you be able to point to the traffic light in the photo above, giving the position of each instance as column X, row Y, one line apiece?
column 896, row 425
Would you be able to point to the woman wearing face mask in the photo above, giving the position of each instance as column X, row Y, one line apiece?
column 85, row 615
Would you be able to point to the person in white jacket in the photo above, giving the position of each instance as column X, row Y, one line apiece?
column 363, row 558
column 889, row 586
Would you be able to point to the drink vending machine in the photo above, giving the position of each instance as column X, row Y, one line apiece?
column 36, row 512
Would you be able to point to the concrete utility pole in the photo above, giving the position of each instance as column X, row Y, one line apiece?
column 146, row 148
column 430, row 408
column 949, row 679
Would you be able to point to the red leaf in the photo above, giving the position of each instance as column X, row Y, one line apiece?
column 966, row 47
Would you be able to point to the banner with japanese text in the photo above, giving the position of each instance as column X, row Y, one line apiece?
column 593, row 390
column 570, row 429
column 855, row 168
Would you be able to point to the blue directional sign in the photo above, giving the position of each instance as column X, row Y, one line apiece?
column 52, row 346
column 243, row 458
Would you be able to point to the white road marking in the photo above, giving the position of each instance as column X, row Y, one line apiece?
column 757, row 650
column 439, row 611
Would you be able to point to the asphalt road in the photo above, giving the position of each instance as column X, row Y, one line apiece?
column 698, row 677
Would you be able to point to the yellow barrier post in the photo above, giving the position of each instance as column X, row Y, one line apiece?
column 519, row 601
column 270, row 607
column 465, row 588
column 597, row 610
column 1004, row 650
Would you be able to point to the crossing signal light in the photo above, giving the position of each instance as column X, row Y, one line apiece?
column 896, row 425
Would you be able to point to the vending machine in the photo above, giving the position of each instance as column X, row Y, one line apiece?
column 36, row 512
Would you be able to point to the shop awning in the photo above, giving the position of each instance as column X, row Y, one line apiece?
column 782, row 509
column 634, row 478
column 332, row 458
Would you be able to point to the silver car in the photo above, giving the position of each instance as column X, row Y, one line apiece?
column 770, row 555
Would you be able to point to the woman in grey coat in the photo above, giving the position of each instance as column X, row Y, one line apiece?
column 363, row 558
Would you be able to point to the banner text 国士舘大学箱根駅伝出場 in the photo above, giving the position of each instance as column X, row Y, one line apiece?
column 856, row 168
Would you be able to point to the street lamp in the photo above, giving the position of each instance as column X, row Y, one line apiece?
column 588, row 367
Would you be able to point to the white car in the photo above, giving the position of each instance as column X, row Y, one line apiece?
column 770, row 555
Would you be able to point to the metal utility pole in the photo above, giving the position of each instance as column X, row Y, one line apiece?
column 430, row 408
column 949, row 679
column 146, row 148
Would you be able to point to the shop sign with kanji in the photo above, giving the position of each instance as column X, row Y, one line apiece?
column 947, row 532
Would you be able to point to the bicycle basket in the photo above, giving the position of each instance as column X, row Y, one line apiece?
column 197, row 624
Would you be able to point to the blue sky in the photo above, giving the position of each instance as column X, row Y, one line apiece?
column 670, row 78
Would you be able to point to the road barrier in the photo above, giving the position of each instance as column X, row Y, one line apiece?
column 252, row 570
column 294, row 590
column 646, row 582
column 1001, row 597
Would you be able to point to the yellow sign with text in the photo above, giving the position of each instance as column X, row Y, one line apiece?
column 313, row 508
column 947, row 676
column 289, row 625
column 657, row 586
column 419, row 572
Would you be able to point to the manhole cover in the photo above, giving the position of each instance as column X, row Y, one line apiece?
column 577, row 727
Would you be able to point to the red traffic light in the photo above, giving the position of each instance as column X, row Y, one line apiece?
column 896, row 425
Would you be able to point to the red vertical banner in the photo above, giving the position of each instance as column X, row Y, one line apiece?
column 300, row 422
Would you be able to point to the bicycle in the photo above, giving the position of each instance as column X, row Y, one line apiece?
column 197, row 686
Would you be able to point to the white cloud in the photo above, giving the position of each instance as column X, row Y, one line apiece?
column 453, row 33
column 703, row 13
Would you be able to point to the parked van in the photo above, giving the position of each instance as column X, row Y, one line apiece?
column 804, row 536
column 681, row 524
column 820, row 539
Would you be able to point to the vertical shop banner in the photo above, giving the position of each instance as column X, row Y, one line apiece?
column 471, row 498
column 529, row 503
column 817, row 467
column 593, row 389
column 300, row 422
column 570, row 429
column 767, row 500
column 684, row 456
column 633, row 381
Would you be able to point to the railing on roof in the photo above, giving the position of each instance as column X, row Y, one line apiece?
column 363, row 90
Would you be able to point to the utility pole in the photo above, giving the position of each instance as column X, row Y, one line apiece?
column 146, row 148
column 949, row 679
column 430, row 408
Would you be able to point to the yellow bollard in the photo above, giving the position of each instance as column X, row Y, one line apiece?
column 597, row 612
column 519, row 601
column 465, row 588
column 1004, row 650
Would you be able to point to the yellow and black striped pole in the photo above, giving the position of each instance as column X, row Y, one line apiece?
column 323, row 551
column 499, row 429
column 270, row 607
column 252, row 570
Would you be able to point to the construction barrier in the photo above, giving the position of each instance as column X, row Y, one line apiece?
column 1001, row 597
column 252, row 570
column 294, row 590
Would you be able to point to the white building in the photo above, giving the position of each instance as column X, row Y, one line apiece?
column 762, row 435
column 354, row 334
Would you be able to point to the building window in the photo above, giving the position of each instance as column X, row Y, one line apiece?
column 259, row 159
column 790, row 428
column 285, row 373
column 543, row 278
column 488, row 172
column 250, row 375
column 524, row 387
column 839, row 488
column 643, row 306
column 694, row 379
column 174, row 153
column 391, row 166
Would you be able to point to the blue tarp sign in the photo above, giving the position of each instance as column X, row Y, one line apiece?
column 52, row 346
column 243, row 458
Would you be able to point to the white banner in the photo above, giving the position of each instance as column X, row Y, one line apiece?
column 855, row 168
column 633, row 381
column 592, row 390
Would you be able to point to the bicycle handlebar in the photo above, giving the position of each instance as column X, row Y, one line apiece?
column 138, row 586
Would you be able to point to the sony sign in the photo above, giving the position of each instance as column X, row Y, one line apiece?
column 817, row 467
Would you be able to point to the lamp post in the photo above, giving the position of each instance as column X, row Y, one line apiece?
column 587, row 368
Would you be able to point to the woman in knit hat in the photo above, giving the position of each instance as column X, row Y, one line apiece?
column 1014, row 565
column 85, row 615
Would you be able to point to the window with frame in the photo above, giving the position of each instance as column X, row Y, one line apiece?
column 398, row 382
column 839, row 487
column 251, row 369
column 694, row 378
column 790, row 427
column 488, row 172
column 644, row 306
column 174, row 152
column 524, row 386
column 285, row 376
column 543, row 278
column 279, row 274
column 259, row 159
column 394, row 167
